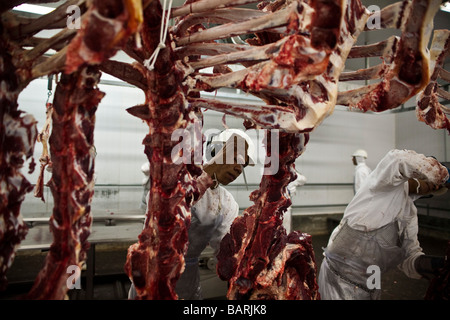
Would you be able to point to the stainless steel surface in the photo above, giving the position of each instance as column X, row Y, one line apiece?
column 111, row 234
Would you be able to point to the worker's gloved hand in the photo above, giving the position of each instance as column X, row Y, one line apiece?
column 429, row 266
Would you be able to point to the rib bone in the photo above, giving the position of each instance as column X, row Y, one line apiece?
column 393, row 15
column 409, row 72
column 273, row 20
column 44, row 21
column 54, row 64
column 216, row 16
column 382, row 48
column 45, row 45
column 299, row 98
column 209, row 49
column 364, row 74
column 444, row 74
column 207, row 5
column 429, row 109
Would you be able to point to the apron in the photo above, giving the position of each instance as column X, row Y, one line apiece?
column 188, row 285
column 344, row 271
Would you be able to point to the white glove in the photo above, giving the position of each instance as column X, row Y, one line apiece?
column 145, row 168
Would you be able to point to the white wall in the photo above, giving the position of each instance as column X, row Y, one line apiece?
column 118, row 135
column 326, row 163
column 327, row 158
column 415, row 135
column 118, row 139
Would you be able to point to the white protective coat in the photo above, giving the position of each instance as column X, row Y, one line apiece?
column 362, row 171
column 383, row 206
column 292, row 190
column 211, row 220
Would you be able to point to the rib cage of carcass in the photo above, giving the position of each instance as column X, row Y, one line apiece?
column 293, row 60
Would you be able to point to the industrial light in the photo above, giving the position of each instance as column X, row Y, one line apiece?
column 32, row 8
column 446, row 6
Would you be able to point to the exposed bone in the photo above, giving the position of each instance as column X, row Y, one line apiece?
column 408, row 73
column 445, row 109
column 129, row 49
column 254, row 54
column 363, row 74
column 209, row 49
column 33, row 42
column 266, row 116
column 115, row 29
column 429, row 109
column 443, row 94
column 310, row 98
column 444, row 74
column 272, row 20
column 285, row 103
column 216, row 16
column 270, row 73
column 206, row 5
column 44, row 159
column 44, row 21
column 350, row 97
column 392, row 15
column 382, row 48
column 45, row 45
column 21, row 20
column 229, row 80
column 12, row 21
column 54, row 64
column 125, row 72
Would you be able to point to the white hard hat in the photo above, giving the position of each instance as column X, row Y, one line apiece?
column 360, row 153
column 225, row 135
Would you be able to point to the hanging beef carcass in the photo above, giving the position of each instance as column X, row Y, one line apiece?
column 404, row 70
column 155, row 263
column 257, row 258
column 299, row 99
column 22, row 65
column 44, row 159
column 296, row 73
column 300, row 75
column 106, row 26
column 72, row 182
column 429, row 109
column 17, row 138
column 19, row 66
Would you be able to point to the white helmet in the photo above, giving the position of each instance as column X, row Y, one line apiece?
column 225, row 135
column 360, row 153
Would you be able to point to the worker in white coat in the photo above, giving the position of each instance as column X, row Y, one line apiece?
column 292, row 190
column 362, row 170
column 213, row 214
column 145, row 168
column 379, row 228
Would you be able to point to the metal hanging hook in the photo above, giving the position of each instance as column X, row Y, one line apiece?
column 49, row 87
